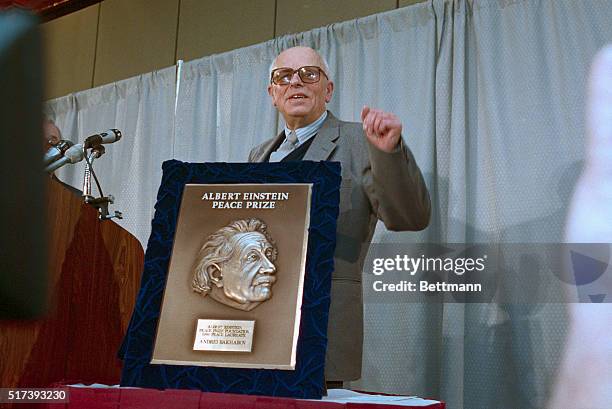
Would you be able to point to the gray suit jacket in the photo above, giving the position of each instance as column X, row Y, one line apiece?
column 375, row 185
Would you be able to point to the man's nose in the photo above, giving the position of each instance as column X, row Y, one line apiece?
column 267, row 266
column 295, row 79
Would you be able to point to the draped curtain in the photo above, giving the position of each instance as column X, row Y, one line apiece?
column 491, row 95
column 130, row 170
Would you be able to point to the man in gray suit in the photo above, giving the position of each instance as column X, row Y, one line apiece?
column 380, row 180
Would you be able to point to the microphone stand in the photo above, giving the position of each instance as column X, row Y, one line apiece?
column 101, row 203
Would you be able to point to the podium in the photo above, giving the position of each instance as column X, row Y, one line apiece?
column 94, row 270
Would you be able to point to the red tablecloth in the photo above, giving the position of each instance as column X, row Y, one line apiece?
column 125, row 398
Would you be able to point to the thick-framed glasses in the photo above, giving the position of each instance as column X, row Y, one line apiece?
column 309, row 74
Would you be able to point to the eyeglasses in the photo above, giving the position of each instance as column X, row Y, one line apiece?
column 309, row 74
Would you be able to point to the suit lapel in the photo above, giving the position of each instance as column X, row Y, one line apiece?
column 266, row 150
column 322, row 146
column 324, row 142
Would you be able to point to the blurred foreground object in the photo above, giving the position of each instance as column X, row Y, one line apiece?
column 23, row 281
column 585, row 378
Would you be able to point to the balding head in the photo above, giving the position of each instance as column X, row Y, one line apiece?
column 51, row 133
column 299, row 102
column 316, row 57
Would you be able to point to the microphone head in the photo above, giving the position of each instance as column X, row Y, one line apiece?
column 52, row 154
column 75, row 153
column 108, row 136
column 117, row 133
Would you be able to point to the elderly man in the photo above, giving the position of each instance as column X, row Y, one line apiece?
column 380, row 180
column 51, row 133
column 51, row 137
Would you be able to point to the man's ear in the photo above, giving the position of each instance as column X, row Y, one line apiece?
column 329, row 91
column 271, row 94
column 214, row 274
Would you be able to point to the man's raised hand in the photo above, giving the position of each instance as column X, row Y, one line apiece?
column 383, row 129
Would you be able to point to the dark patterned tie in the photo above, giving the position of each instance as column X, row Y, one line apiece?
column 288, row 145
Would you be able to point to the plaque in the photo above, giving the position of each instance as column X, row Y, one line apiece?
column 244, row 253
column 239, row 256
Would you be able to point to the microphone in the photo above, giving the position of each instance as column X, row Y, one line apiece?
column 109, row 136
column 73, row 154
column 55, row 152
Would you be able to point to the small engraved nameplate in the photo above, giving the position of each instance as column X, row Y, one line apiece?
column 224, row 335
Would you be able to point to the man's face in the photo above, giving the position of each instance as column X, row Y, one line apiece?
column 300, row 103
column 248, row 275
column 51, row 134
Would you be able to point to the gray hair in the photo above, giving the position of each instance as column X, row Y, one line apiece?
column 218, row 249
column 323, row 62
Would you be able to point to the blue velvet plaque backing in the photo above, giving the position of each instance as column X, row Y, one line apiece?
column 307, row 380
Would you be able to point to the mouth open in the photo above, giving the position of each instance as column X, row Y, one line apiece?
column 298, row 96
